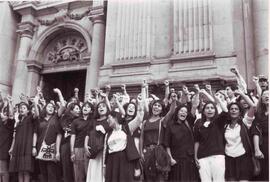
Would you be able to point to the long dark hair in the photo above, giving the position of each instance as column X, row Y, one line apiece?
column 72, row 106
column 97, row 116
column 26, row 105
column 44, row 112
column 203, row 115
column 261, row 107
column 126, row 107
column 91, row 114
column 239, row 106
column 151, row 107
column 175, row 117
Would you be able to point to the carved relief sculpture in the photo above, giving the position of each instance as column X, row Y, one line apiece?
column 68, row 49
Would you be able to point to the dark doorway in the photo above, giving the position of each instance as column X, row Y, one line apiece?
column 66, row 82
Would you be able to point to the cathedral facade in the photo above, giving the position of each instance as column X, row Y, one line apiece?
column 89, row 44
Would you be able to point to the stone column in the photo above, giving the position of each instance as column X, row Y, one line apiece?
column 8, row 41
column 97, row 52
column 33, row 77
column 261, row 38
column 26, row 31
column 249, row 42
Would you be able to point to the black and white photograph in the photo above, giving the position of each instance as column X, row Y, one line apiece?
column 134, row 90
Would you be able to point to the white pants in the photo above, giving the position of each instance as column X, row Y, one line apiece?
column 95, row 171
column 212, row 168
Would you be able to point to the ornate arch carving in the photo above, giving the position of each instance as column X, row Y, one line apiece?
column 36, row 52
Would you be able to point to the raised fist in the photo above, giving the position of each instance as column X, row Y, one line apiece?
column 76, row 90
column 166, row 83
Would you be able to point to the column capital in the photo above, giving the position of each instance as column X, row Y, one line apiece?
column 34, row 66
column 96, row 14
column 26, row 29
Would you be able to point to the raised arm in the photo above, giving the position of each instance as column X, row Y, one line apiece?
column 240, row 80
column 36, row 99
column 107, row 89
column 62, row 101
column 169, row 115
column 135, row 123
column 124, row 90
column 208, row 89
column 257, row 86
column 167, row 92
column 208, row 96
column 185, row 95
column 76, row 93
column 105, row 97
column 195, row 100
column 222, row 103
column 245, row 97
column 120, row 106
column 10, row 107
column 144, row 96
column 249, row 117
column 23, row 98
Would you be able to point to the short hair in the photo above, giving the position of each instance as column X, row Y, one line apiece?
column 232, row 86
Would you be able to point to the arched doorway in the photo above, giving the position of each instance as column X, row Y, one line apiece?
column 64, row 59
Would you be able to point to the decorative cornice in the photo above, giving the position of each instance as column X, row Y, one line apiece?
column 60, row 16
column 26, row 29
column 34, row 66
column 78, row 16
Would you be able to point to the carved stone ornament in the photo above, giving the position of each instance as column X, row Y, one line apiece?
column 62, row 15
column 78, row 16
column 26, row 29
column 68, row 49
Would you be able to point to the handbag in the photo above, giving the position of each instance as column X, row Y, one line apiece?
column 95, row 143
column 131, row 150
column 162, row 158
column 47, row 152
column 256, row 163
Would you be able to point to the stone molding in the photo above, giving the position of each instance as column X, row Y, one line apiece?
column 26, row 29
column 34, row 66
column 96, row 19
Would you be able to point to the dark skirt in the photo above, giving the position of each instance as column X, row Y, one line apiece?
column 238, row 168
column 118, row 168
column 149, row 158
column 22, row 160
column 67, row 165
column 184, row 170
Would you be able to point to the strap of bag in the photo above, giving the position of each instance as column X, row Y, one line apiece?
column 47, row 129
column 190, row 130
column 248, row 140
column 159, row 131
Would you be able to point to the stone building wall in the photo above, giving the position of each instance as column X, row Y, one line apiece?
column 127, row 41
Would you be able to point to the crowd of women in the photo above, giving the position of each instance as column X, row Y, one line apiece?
column 194, row 134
